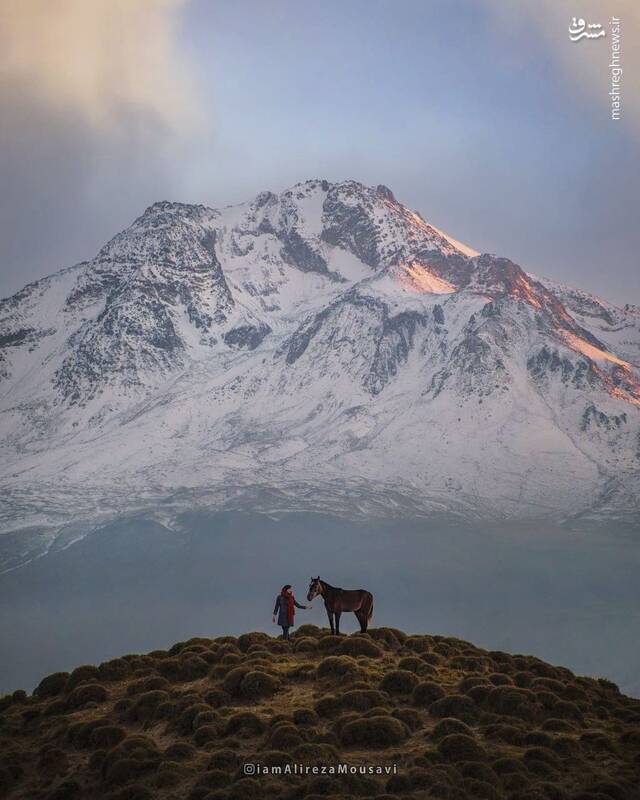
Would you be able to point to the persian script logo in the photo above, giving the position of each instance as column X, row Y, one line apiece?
column 579, row 29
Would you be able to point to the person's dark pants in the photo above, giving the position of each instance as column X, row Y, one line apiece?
column 285, row 632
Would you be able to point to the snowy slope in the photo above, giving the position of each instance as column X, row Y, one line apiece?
column 325, row 348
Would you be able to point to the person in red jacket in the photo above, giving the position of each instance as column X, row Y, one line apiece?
column 285, row 608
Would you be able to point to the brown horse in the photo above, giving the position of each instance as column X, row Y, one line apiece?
column 360, row 601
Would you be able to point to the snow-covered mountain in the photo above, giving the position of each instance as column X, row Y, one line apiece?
column 323, row 348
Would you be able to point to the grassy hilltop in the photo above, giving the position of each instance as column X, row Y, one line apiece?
column 459, row 722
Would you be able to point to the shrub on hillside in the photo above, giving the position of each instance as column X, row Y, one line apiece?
column 391, row 637
column 399, row 681
column 144, row 708
column 308, row 630
column 179, row 751
column 447, row 726
column 555, row 725
column 224, row 759
column 315, row 753
column 304, row 644
column 305, row 716
column 338, row 667
column 460, row 747
column 329, row 643
column 147, row 684
column 87, row 693
column 247, row 640
column 362, row 699
column 245, row 724
column 383, row 731
column 256, row 685
column 503, row 732
column 233, row 680
column 329, row 705
column 52, row 685
column 107, row 736
column 426, row 693
column 284, row 737
column 411, row 718
column 83, row 674
column 192, row 667
column 454, row 705
column 129, row 758
column 358, row 645
column 186, row 721
column 205, row 734
column 512, row 701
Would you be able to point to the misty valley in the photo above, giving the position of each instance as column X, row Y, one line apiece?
column 569, row 596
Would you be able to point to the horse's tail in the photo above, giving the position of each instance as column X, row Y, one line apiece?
column 370, row 614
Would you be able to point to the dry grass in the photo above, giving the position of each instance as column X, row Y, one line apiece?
column 459, row 722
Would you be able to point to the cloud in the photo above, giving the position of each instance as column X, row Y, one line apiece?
column 583, row 64
column 98, row 106
column 112, row 64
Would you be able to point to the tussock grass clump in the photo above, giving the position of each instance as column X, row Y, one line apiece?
column 247, row 640
column 233, row 680
column 147, row 684
column 107, row 736
column 399, row 681
column 460, row 747
column 186, row 722
column 362, row 699
column 359, row 645
column 461, row 722
column 512, row 701
column 52, row 685
column 329, row 643
column 454, row 705
column 426, row 693
column 410, row 717
column 144, row 708
column 256, row 685
column 421, row 644
column 315, row 753
column 557, row 725
column 87, row 693
column 447, row 726
column 382, row 731
column 179, row 751
column 245, row 724
column 305, row 716
column 411, row 663
column 305, row 644
column 505, row 732
column 84, row 674
column 309, row 630
column 328, row 706
column 284, row 737
column 224, row 759
column 340, row 668
column 392, row 638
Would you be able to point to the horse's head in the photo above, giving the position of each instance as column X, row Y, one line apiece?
column 315, row 588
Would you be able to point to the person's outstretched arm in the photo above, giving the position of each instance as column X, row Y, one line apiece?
column 297, row 605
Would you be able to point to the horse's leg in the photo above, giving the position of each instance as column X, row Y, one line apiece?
column 362, row 619
column 337, row 616
column 330, row 615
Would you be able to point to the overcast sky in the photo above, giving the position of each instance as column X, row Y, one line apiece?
column 480, row 114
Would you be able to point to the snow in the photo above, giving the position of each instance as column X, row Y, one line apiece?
column 594, row 353
column 463, row 248
column 378, row 387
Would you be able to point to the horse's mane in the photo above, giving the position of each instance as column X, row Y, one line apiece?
column 329, row 586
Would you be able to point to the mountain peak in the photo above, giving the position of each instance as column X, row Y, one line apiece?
column 328, row 333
